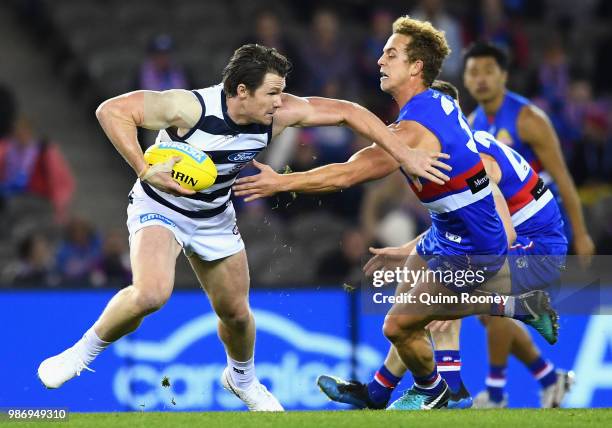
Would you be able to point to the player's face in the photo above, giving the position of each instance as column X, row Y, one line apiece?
column 484, row 78
column 261, row 105
column 395, row 70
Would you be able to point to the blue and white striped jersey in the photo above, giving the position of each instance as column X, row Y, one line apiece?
column 230, row 146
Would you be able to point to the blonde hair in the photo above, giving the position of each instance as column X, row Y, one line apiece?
column 427, row 44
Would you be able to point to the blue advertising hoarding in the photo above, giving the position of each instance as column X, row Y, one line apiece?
column 301, row 334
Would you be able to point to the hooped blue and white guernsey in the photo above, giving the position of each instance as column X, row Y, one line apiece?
column 229, row 145
column 463, row 215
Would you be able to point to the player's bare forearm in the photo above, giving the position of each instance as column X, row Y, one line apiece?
column 325, row 179
column 536, row 128
column 368, row 164
column 119, row 118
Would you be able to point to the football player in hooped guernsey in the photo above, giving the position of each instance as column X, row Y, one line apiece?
column 231, row 122
column 515, row 121
column 466, row 234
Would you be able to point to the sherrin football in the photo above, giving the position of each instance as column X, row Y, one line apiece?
column 196, row 171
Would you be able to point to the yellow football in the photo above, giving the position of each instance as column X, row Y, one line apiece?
column 196, row 171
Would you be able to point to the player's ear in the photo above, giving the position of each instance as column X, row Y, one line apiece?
column 416, row 67
column 242, row 91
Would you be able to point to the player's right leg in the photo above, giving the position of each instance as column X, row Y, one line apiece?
column 226, row 282
column 153, row 253
column 376, row 393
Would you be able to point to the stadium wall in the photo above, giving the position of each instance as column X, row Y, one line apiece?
column 301, row 334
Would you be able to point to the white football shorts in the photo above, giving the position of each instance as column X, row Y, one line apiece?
column 209, row 238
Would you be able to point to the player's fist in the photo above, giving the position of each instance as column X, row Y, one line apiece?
column 160, row 177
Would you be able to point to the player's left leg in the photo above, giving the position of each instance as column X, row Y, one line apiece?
column 554, row 382
column 226, row 282
column 535, row 263
column 448, row 358
column 506, row 337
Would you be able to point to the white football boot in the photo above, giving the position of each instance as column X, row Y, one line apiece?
column 256, row 396
column 483, row 401
column 56, row 370
column 553, row 395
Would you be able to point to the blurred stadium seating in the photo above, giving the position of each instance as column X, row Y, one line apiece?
column 95, row 48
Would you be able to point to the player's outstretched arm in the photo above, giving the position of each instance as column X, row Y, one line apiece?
column 501, row 205
column 120, row 116
column 370, row 163
column 535, row 128
column 317, row 111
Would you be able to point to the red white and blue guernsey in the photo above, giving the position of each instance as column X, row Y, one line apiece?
column 464, row 221
column 538, row 254
column 532, row 205
column 503, row 126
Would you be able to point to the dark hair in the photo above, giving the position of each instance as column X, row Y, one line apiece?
column 480, row 49
column 249, row 65
column 446, row 88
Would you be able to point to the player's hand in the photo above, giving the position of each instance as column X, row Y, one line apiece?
column 584, row 249
column 419, row 163
column 387, row 258
column 439, row 326
column 158, row 176
column 261, row 185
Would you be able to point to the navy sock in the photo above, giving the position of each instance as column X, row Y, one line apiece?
column 543, row 371
column 449, row 366
column 432, row 384
column 496, row 382
column 381, row 387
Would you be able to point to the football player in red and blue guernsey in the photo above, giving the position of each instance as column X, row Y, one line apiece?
column 539, row 229
column 540, row 236
column 467, row 233
column 515, row 121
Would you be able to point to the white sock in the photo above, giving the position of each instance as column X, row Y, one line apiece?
column 509, row 309
column 242, row 373
column 89, row 346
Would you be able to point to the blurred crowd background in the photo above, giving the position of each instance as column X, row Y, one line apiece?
column 63, row 188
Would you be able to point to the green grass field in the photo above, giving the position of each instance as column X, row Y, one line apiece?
column 349, row 419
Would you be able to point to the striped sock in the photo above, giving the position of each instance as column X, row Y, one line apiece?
column 449, row 366
column 543, row 371
column 496, row 382
column 510, row 310
column 432, row 384
column 382, row 385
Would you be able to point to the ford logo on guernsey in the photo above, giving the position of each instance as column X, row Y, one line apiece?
column 288, row 358
column 197, row 154
column 242, row 157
